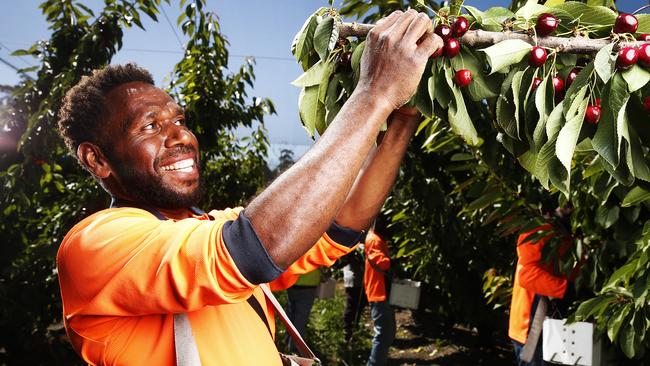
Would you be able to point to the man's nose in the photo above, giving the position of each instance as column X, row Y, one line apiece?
column 176, row 134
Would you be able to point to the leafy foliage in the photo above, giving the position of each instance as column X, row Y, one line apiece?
column 495, row 155
column 45, row 192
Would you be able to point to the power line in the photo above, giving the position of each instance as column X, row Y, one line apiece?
column 262, row 57
column 178, row 52
column 172, row 27
column 19, row 57
column 15, row 68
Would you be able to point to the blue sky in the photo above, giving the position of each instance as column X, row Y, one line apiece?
column 259, row 28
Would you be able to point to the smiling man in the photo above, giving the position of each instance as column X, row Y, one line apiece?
column 153, row 276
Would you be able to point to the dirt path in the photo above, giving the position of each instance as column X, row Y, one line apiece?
column 418, row 345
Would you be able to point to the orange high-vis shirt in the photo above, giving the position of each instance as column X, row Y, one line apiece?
column 123, row 273
column 531, row 277
column 376, row 250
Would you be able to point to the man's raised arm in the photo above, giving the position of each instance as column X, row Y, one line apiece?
column 294, row 211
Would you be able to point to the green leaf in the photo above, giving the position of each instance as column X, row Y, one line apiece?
column 544, row 105
column 454, row 7
column 606, row 141
column 443, row 93
column 635, row 196
column 568, row 136
column 627, row 340
column 312, row 112
column 531, row 10
column 634, row 155
column 325, row 36
column 482, row 86
column 636, row 78
column 493, row 18
column 422, row 99
column 506, row 53
column 598, row 16
column 505, row 115
column 605, row 62
column 356, row 60
column 325, row 79
column 313, row 76
column 332, row 107
column 553, row 2
column 303, row 41
column 459, row 118
column 607, row 216
column 591, row 307
column 484, row 201
column 476, row 13
column 584, row 78
column 644, row 23
column 615, row 322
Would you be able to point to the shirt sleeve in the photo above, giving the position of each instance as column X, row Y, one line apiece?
column 537, row 279
column 335, row 243
column 126, row 262
column 534, row 275
column 377, row 256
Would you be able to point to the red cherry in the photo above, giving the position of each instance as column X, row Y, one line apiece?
column 573, row 74
column 593, row 114
column 646, row 104
column 644, row 37
column 627, row 57
column 346, row 58
column 437, row 53
column 546, row 24
column 463, row 77
column 452, row 48
column 460, row 27
column 558, row 84
column 644, row 55
column 536, row 83
column 537, row 56
column 444, row 31
column 626, row 23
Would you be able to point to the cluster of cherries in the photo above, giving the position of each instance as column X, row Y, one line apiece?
column 627, row 56
column 451, row 48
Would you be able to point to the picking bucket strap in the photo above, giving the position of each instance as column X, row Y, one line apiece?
column 303, row 348
column 186, row 352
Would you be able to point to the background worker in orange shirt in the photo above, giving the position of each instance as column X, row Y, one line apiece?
column 132, row 275
column 535, row 281
column 377, row 282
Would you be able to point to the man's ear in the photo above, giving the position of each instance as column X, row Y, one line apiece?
column 93, row 159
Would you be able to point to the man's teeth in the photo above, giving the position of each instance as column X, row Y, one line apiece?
column 183, row 166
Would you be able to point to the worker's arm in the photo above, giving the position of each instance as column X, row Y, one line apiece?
column 534, row 277
column 377, row 256
column 374, row 182
column 298, row 207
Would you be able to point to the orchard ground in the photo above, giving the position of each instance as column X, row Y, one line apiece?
column 421, row 338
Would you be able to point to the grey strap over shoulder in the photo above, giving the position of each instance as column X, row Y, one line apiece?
column 186, row 352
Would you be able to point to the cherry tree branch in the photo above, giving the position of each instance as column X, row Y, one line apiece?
column 481, row 38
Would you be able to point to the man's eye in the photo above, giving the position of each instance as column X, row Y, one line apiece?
column 149, row 126
column 180, row 122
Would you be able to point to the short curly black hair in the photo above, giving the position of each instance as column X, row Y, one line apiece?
column 83, row 111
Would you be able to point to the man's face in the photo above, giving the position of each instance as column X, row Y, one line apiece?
column 153, row 156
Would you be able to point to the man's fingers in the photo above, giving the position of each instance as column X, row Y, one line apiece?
column 401, row 25
column 418, row 27
column 385, row 23
column 429, row 43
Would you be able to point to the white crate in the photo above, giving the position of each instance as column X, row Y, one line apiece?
column 405, row 293
column 326, row 289
column 570, row 344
